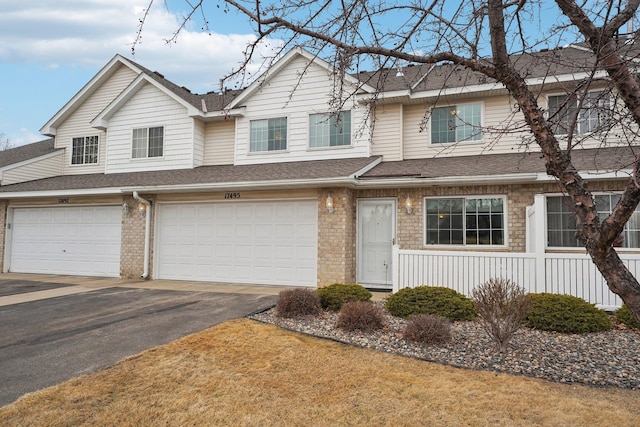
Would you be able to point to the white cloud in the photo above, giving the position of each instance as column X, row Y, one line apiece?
column 88, row 33
column 24, row 136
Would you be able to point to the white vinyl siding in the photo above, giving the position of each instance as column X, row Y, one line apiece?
column 497, row 113
column 219, row 142
column 388, row 132
column 39, row 169
column 150, row 108
column 288, row 94
column 78, row 124
column 199, row 129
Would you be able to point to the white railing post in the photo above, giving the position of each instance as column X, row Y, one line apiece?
column 395, row 268
column 540, row 227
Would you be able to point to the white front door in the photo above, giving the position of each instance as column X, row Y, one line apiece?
column 376, row 233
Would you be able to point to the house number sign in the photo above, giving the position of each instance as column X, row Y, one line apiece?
column 231, row 195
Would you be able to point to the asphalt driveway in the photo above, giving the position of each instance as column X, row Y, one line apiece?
column 48, row 341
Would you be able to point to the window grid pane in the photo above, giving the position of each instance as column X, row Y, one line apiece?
column 156, row 141
column 268, row 135
column 77, row 151
column 468, row 123
column 443, row 125
column 139, row 143
column 91, row 149
column 460, row 221
column 562, row 227
column 329, row 130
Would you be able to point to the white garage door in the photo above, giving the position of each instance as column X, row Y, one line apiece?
column 74, row 240
column 238, row 242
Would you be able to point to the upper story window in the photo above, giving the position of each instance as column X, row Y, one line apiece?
column 330, row 130
column 84, row 150
column 561, row 222
column 268, row 135
column 592, row 114
column 148, row 142
column 465, row 221
column 456, row 123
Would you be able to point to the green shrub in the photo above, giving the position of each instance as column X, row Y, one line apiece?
column 334, row 296
column 565, row 313
column 360, row 316
column 427, row 329
column 434, row 300
column 624, row 316
column 298, row 302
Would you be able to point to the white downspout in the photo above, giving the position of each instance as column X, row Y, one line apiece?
column 147, row 233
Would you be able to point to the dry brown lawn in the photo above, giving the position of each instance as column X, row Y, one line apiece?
column 244, row 373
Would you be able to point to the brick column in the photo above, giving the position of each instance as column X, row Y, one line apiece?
column 336, row 237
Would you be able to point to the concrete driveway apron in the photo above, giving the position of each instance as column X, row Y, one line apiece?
column 53, row 329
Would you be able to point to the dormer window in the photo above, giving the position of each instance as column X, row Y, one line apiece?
column 84, row 150
column 147, row 142
column 268, row 135
column 330, row 130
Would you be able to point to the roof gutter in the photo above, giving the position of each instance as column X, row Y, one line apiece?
column 147, row 233
column 421, row 181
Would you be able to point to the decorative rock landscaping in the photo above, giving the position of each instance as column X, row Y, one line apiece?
column 606, row 359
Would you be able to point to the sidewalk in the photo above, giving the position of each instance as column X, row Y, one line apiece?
column 79, row 284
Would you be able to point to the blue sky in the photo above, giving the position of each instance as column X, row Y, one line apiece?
column 50, row 50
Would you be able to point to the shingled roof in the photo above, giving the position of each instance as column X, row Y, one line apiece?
column 574, row 58
column 26, row 152
column 598, row 160
column 225, row 174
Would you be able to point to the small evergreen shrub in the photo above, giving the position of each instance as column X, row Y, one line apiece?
column 427, row 329
column 434, row 300
column 297, row 303
column 624, row 316
column 334, row 296
column 565, row 313
column 501, row 305
column 360, row 316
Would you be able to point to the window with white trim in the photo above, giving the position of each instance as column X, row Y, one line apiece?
column 562, row 227
column 84, row 150
column 456, row 123
column 147, row 142
column 593, row 114
column 268, row 135
column 330, row 130
column 465, row 221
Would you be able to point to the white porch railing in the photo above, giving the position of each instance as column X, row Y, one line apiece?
column 573, row 274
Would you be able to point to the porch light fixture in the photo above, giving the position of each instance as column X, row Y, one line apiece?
column 408, row 204
column 125, row 208
column 142, row 208
column 329, row 203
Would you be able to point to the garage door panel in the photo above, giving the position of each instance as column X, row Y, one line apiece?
column 252, row 242
column 66, row 240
